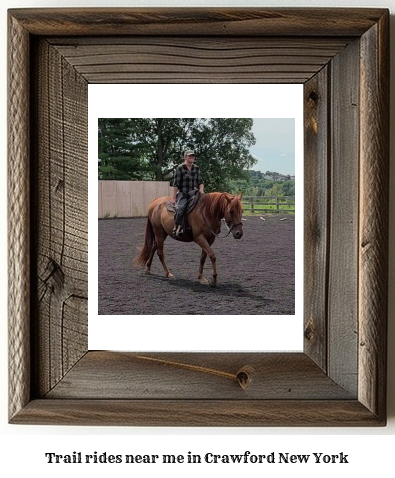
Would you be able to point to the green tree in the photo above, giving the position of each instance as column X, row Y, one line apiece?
column 162, row 140
column 151, row 148
column 276, row 190
column 289, row 188
column 119, row 156
column 222, row 146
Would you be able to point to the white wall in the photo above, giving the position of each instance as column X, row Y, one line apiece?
column 25, row 446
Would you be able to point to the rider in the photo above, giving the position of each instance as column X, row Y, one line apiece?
column 187, row 178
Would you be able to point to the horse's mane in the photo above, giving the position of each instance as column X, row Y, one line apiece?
column 214, row 205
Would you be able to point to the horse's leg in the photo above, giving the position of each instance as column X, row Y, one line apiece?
column 203, row 257
column 160, row 239
column 206, row 250
column 149, row 262
column 201, row 278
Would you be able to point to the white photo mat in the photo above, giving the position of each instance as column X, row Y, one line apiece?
column 175, row 333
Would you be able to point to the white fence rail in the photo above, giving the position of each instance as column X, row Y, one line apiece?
column 129, row 198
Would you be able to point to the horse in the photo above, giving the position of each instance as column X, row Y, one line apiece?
column 205, row 223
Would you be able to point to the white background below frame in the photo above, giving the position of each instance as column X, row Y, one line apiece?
column 194, row 332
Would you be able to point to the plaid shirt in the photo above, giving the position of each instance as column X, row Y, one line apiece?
column 186, row 180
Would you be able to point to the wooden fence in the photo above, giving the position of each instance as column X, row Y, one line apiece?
column 132, row 198
column 269, row 204
column 129, row 198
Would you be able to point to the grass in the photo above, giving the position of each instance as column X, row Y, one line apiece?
column 268, row 205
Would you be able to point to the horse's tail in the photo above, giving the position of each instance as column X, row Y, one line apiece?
column 142, row 258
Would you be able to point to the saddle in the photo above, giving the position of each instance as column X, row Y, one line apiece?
column 194, row 197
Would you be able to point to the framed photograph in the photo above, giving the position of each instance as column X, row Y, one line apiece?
column 341, row 57
column 132, row 310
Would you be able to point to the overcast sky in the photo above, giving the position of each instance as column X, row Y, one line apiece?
column 275, row 145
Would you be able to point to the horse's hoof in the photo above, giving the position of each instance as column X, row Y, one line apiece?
column 213, row 283
column 170, row 275
column 148, row 271
column 203, row 281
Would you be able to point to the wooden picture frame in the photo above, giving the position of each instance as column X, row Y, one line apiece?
column 342, row 58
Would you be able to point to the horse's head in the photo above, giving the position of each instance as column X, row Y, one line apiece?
column 233, row 212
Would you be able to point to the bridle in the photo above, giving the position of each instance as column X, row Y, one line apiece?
column 228, row 226
column 231, row 226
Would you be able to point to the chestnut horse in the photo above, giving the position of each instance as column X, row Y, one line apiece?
column 204, row 221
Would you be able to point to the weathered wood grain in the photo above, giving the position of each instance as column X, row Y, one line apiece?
column 163, row 59
column 342, row 286
column 316, row 214
column 61, row 226
column 202, row 413
column 330, row 22
column 18, row 218
column 373, row 226
column 283, row 376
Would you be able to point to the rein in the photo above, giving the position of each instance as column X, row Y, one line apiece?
column 227, row 226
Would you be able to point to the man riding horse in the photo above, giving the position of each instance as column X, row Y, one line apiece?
column 205, row 220
column 187, row 178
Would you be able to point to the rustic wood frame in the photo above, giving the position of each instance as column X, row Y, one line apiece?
column 342, row 57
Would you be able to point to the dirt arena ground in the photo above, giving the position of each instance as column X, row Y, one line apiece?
column 256, row 274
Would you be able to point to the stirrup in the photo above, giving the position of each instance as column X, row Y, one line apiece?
column 177, row 231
